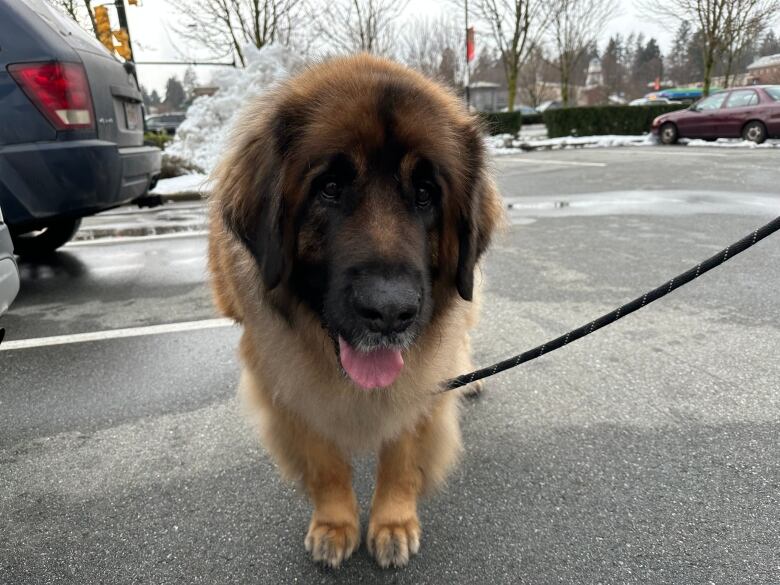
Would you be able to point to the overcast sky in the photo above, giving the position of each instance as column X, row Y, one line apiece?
column 154, row 40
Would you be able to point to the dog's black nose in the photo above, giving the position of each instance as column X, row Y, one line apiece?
column 386, row 305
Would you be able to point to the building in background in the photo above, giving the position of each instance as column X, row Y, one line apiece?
column 765, row 70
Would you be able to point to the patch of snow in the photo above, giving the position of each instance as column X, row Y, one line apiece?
column 507, row 144
column 503, row 144
column 729, row 143
column 200, row 138
column 195, row 183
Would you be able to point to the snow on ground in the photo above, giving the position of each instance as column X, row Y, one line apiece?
column 503, row 144
column 507, row 144
column 730, row 143
column 196, row 183
column 209, row 119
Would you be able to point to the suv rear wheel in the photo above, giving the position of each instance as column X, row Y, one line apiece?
column 46, row 240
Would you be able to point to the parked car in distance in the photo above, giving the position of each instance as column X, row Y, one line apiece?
column 165, row 123
column 751, row 113
column 549, row 105
column 71, row 128
column 9, row 275
column 645, row 101
column 686, row 95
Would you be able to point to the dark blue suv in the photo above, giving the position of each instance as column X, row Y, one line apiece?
column 71, row 128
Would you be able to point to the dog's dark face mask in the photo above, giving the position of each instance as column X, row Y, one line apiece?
column 364, row 259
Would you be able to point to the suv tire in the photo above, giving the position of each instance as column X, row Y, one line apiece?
column 45, row 241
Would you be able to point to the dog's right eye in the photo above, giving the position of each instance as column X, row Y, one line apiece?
column 330, row 190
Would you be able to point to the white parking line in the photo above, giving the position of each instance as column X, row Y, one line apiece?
column 121, row 240
column 547, row 161
column 116, row 334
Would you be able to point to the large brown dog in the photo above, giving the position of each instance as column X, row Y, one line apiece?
column 347, row 220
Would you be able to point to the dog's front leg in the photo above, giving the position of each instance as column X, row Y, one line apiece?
column 409, row 466
column 334, row 530
column 394, row 530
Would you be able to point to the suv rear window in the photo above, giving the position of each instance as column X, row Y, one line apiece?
column 774, row 92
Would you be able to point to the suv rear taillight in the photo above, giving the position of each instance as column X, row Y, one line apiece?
column 59, row 90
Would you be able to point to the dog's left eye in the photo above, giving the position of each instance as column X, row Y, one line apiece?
column 424, row 194
column 330, row 190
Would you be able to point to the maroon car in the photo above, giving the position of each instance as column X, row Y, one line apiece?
column 751, row 113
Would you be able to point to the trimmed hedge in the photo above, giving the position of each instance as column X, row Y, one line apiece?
column 502, row 122
column 599, row 120
column 507, row 122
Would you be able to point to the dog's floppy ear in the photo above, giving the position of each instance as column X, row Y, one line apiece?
column 480, row 214
column 261, row 233
column 249, row 187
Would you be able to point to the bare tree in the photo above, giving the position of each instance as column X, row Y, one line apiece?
column 224, row 27
column 78, row 10
column 710, row 17
column 515, row 25
column 357, row 25
column 574, row 27
column 534, row 77
column 432, row 46
column 746, row 20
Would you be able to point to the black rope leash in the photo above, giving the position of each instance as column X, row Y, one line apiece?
column 619, row 313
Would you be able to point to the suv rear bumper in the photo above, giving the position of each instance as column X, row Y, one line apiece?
column 48, row 180
column 9, row 275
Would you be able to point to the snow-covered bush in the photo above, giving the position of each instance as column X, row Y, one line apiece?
column 209, row 119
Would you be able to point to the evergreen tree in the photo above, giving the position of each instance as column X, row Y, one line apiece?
column 189, row 82
column 448, row 68
column 174, row 94
column 770, row 45
column 612, row 65
column 677, row 60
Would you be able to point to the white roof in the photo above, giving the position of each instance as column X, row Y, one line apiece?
column 768, row 61
column 480, row 84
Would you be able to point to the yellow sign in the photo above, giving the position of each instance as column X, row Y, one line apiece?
column 124, row 45
column 103, row 27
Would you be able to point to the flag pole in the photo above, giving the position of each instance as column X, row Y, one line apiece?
column 468, row 75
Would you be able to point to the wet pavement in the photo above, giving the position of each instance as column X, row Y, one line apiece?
column 646, row 453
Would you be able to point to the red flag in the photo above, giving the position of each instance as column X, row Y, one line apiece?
column 470, row 44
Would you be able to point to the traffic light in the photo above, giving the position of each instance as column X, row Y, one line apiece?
column 103, row 27
column 124, row 44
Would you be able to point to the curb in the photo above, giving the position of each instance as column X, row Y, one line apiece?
column 184, row 196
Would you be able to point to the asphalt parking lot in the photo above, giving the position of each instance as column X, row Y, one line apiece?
column 645, row 453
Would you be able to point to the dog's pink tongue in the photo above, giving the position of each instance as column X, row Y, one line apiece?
column 371, row 369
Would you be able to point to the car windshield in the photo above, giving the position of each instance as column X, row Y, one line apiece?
column 774, row 92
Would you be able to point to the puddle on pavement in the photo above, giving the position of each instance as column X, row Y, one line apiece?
column 525, row 209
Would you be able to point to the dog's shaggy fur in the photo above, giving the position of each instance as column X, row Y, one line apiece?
column 273, row 252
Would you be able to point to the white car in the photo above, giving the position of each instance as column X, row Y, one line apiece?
column 9, row 274
column 652, row 102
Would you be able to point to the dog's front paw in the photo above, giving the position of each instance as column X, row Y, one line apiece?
column 331, row 543
column 392, row 543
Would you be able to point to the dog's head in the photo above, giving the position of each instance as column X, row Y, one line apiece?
column 360, row 189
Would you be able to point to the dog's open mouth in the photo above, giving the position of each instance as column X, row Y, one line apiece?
column 377, row 368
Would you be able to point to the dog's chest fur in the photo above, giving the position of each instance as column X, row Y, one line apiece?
column 296, row 367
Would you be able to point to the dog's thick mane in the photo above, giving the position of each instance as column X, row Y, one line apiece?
column 261, row 185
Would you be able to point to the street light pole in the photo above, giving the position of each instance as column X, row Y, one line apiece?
column 468, row 73
column 122, row 16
